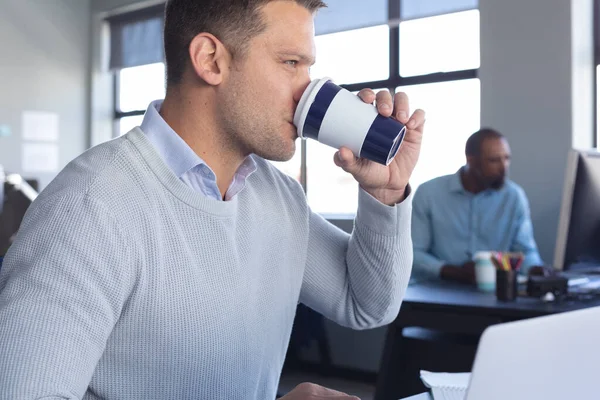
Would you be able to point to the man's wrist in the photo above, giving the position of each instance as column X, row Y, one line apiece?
column 457, row 273
column 388, row 196
column 448, row 272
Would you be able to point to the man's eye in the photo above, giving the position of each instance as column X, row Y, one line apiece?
column 292, row 62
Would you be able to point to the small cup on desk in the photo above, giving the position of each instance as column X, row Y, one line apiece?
column 506, row 285
column 485, row 271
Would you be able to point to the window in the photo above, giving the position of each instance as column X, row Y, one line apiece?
column 339, row 52
column 140, row 85
column 433, row 58
column 293, row 166
column 361, row 55
column 439, row 44
column 125, row 124
column 347, row 15
column 136, row 88
column 136, row 59
column 329, row 190
column 427, row 48
column 413, row 9
column 453, row 110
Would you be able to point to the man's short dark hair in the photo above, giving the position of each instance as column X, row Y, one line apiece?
column 234, row 22
column 475, row 141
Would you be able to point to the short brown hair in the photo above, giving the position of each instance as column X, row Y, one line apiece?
column 234, row 22
column 475, row 141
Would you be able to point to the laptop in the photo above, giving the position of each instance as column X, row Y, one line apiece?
column 554, row 357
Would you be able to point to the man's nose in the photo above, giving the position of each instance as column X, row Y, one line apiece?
column 301, row 87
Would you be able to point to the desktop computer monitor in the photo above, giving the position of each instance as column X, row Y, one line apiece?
column 578, row 237
column 17, row 197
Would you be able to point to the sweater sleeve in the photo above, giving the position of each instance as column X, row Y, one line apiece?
column 359, row 281
column 62, row 287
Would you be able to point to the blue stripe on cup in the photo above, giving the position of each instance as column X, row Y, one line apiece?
column 318, row 108
column 379, row 144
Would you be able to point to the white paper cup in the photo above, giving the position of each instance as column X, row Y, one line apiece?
column 485, row 271
column 335, row 117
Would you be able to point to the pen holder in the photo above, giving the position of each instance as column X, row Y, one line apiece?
column 506, row 285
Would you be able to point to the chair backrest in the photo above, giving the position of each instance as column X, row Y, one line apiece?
column 17, row 197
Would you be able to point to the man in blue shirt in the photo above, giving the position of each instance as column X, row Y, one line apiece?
column 475, row 209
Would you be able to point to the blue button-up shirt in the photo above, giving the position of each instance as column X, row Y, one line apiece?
column 184, row 162
column 450, row 224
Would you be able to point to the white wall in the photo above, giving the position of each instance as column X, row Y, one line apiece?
column 44, row 47
column 536, row 81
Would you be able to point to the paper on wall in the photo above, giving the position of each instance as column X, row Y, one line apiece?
column 40, row 157
column 40, row 126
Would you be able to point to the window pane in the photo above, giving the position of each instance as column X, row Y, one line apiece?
column 138, row 86
column 329, row 189
column 411, row 9
column 439, row 44
column 343, row 56
column 291, row 167
column 343, row 15
column 128, row 123
column 452, row 114
column 136, row 38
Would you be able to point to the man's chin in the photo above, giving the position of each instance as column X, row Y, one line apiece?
column 282, row 154
column 499, row 184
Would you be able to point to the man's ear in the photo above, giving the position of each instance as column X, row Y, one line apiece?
column 209, row 58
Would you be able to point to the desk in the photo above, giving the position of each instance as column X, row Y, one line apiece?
column 456, row 309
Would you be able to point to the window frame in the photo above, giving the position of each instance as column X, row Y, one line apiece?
column 391, row 83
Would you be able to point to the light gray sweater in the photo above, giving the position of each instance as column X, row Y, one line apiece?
column 124, row 283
